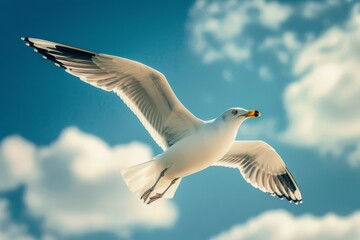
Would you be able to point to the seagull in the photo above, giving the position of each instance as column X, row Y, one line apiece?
column 190, row 144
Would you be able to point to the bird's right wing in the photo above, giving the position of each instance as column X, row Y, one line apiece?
column 262, row 167
column 144, row 90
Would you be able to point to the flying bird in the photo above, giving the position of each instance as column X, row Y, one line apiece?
column 189, row 143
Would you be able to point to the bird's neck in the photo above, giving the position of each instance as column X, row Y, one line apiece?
column 224, row 128
column 231, row 125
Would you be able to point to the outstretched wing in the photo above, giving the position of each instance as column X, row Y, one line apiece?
column 262, row 167
column 144, row 90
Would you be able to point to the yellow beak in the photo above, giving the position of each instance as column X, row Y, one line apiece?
column 253, row 113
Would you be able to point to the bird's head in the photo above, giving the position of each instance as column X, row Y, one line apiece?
column 238, row 115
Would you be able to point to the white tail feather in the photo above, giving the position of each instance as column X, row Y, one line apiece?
column 140, row 178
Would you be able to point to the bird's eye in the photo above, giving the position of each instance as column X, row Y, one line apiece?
column 234, row 112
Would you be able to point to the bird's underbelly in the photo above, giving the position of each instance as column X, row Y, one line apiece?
column 194, row 154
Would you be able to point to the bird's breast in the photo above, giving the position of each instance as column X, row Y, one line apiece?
column 196, row 152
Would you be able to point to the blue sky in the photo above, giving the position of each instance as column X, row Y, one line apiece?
column 63, row 141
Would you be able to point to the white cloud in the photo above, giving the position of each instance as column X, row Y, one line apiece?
column 16, row 166
column 227, row 75
column 218, row 27
column 280, row 224
column 312, row 9
column 290, row 41
column 283, row 56
column 265, row 73
column 322, row 106
column 252, row 131
column 9, row 230
column 284, row 46
column 75, row 184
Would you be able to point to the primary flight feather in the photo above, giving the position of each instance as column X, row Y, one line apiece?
column 189, row 143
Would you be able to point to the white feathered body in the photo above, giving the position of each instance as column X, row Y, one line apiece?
column 197, row 151
column 189, row 155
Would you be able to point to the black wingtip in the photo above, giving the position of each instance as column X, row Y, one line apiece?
column 43, row 52
column 25, row 39
column 290, row 200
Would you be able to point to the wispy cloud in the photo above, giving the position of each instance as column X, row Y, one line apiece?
column 265, row 73
column 254, row 131
column 280, row 224
column 227, row 75
column 313, row 9
column 218, row 28
column 75, row 184
column 284, row 46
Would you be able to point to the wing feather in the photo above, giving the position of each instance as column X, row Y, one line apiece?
column 144, row 90
column 263, row 168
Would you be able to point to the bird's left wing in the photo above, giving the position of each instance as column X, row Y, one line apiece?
column 262, row 167
column 144, row 90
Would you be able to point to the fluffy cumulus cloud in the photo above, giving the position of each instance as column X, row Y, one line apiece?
column 322, row 105
column 9, row 230
column 280, row 224
column 75, row 184
column 16, row 166
column 218, row 27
